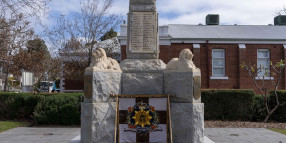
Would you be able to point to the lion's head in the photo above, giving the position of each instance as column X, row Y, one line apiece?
column 186, row 54
column 99, row 55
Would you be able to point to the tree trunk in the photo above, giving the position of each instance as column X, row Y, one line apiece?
column 270, row 113
column 6, row 81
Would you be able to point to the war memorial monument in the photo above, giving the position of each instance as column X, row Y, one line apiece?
column 142, row 99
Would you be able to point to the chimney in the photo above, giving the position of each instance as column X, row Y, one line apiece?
column 212, row 19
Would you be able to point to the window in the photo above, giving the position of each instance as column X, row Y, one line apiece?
column 263, row 59
column 218, row 63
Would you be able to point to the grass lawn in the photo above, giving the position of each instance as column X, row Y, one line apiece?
column 283, row 131
column 6, row 125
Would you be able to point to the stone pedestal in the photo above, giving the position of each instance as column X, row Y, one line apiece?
column 187, row 122
column 142, row 76
column 99, row 85
column 98, row 122
column 98, row 110
column 187, row 111
column 183, row 86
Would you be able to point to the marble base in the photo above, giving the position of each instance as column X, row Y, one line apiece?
column 187, row 122
column 142, row 83
column 99, row 85
column 77, row 140
column 142, row 76
column 98, row 122
column 180, row 84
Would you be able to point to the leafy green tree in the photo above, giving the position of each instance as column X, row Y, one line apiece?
column 36, row 45
column 108, row 35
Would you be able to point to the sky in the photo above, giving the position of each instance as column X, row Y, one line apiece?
column 241, row 12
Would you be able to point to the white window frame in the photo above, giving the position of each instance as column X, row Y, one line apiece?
column 263, row 58
column 213, row 67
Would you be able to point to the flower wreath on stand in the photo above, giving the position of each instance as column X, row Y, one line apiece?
column 142, row 118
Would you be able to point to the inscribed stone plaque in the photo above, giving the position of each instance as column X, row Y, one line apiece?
column 197, row 87
column 143, row 32
column 88, row 86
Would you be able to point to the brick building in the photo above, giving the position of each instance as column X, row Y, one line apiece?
column 220, row 49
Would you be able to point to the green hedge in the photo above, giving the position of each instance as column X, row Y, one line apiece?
column 280, row 114
column 58, row 109
column 64, row 109
column 228, row 104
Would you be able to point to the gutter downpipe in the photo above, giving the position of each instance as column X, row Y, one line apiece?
column 208, row 68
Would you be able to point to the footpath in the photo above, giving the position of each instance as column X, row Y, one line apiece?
column 65, row 135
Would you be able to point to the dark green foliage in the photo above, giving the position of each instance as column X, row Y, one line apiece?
column 64, row 108
column 108, row 35
column 228, row 104
column 259, row 109
column 17, row 106
column 36, row 45
column 280, row 114
column 60, row 109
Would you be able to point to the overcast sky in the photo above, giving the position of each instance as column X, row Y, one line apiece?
column 244, row 12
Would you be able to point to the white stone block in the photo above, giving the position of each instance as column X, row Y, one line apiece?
column 142, row 83
column 180, row 84
column 98, row 122
column 187, row 122
column 103, row 85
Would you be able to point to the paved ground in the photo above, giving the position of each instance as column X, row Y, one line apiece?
column 64, row 135
column 244, row 135
column 39, row 135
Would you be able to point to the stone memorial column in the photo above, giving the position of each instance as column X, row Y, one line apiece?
column 142, row 70
column 98, row 110
column 183, row 79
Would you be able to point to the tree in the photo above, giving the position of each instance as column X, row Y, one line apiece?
column 108, row 35
column 37, row 45
column 282, row 11
column 28, row 8
column 14, row 36
column 78, row 34
column 37, row 59
column 262, row 86
column 15, row 28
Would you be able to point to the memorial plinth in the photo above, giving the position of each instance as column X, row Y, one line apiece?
column 142, row 30
column 140, row 77
column 98, row 111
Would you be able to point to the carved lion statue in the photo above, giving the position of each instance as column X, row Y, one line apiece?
column 101, row 61
column 183, row 63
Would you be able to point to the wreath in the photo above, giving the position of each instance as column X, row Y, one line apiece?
column 142, row 118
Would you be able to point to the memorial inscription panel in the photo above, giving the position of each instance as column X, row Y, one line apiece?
column 143, row 32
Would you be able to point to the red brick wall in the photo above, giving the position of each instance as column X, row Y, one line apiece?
column 276, row 54
column 237, row 78
column 231, row 67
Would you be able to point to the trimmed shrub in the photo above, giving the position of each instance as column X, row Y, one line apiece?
column 228, row 104
column 61, row 109
column 280, row 114
column 64, row 108
column 58, row 110
column 18, row 106
column 259, row 110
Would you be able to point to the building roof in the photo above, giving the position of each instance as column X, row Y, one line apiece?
column 251, row 32
column 219, row 32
